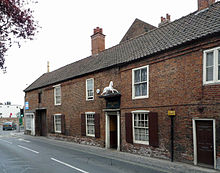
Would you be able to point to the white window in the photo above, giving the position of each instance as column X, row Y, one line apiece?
column 57, row 123
column 90, row 89
column 57, row 95
column 140, row 82
column 140, row 127
column 29, row 120
column 211, row 66
column 90, row 124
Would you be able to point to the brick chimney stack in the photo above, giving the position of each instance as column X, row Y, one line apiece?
column 202, row 4
column 164, row 20
column 98, row 41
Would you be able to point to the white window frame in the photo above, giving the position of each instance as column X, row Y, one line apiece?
column 137, row 141
column 32, row 118
column 133, row 85
column 215, row 65
column 89, row 113
column 87, row 97
column 57, row 131
column 55, row 95
column 29, row 118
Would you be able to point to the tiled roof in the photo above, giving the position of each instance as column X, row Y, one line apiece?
column 186, row 29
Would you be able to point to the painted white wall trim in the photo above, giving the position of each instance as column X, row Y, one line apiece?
column 118, row 131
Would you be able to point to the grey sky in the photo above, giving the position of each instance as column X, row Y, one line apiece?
column 65, row 35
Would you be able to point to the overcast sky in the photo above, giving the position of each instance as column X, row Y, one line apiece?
column 65, row 35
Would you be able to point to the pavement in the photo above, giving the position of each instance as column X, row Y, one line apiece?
column 159, row 164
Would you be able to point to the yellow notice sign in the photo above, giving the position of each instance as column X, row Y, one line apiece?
column 171, row 113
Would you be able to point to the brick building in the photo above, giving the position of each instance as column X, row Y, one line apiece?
column 175, row 67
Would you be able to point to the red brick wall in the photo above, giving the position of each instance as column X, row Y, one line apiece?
column 74, row 102
column 175, row 83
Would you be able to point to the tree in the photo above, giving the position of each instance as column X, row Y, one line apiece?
column 16, row 23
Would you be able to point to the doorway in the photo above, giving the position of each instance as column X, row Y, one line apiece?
column 41, row 123
column 113, row 130
column 204, row 143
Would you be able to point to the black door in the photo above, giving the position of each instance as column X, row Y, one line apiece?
column 204, row 135
column 113, row 131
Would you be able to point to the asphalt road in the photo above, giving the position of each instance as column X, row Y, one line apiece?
column 26, row 154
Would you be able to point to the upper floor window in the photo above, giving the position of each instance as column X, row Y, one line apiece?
column 140, row 82
column 211, row 66
column 57, row 95
column 39, row 97
column 90, row 89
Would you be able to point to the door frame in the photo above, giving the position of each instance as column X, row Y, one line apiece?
column 107, row 128
column 195, row 139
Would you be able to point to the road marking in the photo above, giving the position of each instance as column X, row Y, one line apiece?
column 5, row 141
column 20, row 139
column 66, row 164
column 28, row 149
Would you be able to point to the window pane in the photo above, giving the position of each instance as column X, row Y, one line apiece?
column 209, row 59
column 137, row 90
column 58, row 91
column 90, row 93
column 144, row 89
column 90, row 124
column 209, row 74
column 141, row 127
column 58, row 99
column 90, row 84
column 219, row 65
column 219, row 57
column 219, row 72
column 136, row 76
column 58, row 123
column 144, row 74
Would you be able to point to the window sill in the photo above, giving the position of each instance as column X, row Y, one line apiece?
column 141, row 97
column 211, row 83
column 141, row 142
column 59, row 132
column 90, row 135
column 89, row 99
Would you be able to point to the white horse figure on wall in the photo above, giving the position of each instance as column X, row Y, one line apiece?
column 109, row 89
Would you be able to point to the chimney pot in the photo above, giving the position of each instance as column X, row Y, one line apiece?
column 164, row 20
column 202, row 4
column 98, row 41
column 168, row 17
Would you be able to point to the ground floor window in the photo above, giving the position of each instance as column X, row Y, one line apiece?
column 57, row 123
column 29, row 119
column 90, row 124
column 140, row 127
